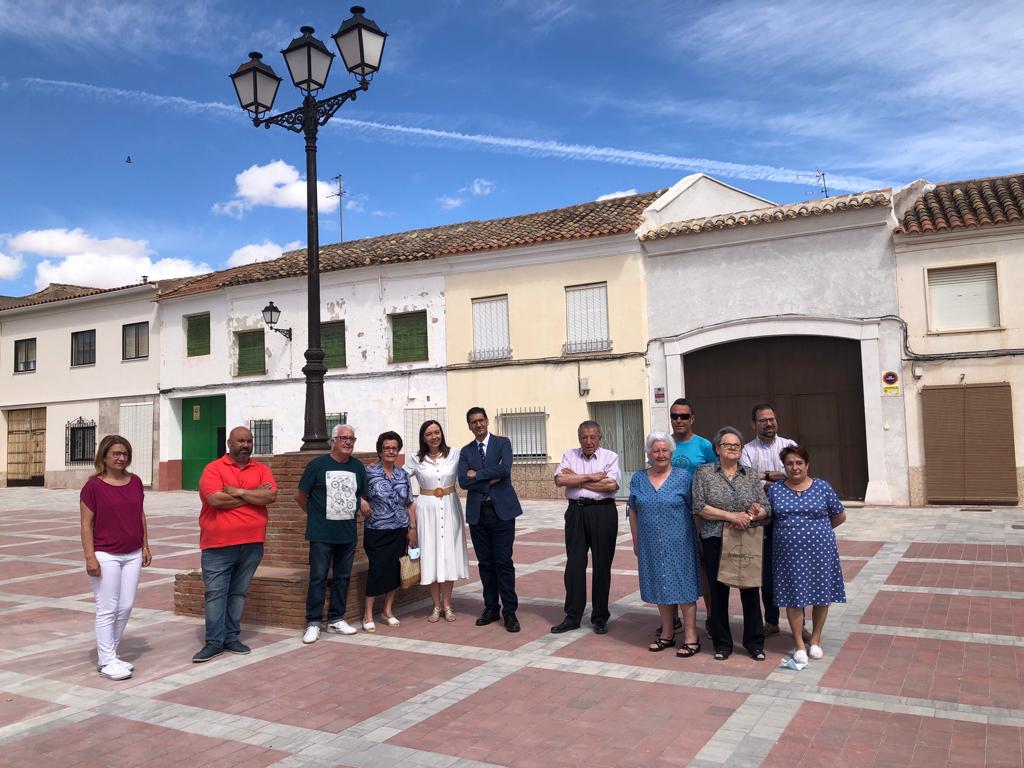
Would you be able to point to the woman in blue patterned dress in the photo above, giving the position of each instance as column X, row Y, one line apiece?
column 664, row 541
column 806, row 558
column 390, row 528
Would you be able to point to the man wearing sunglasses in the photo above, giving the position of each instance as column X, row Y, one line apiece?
column 762, row 455
column 691, row 450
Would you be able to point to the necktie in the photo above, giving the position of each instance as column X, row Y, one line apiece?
column 480, row 447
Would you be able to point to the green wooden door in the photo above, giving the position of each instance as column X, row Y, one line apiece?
column 202, row 436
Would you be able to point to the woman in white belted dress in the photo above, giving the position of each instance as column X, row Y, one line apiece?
column 440, row 532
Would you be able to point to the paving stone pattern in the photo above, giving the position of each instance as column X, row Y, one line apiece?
column 924, row 665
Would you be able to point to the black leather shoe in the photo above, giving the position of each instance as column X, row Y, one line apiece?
column 567, row 625
column 489, row 616
column 600, row 627
column 206, row 653
column 511, row 622
column 237, row 646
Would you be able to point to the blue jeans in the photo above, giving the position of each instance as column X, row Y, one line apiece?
column 227, row 572
column 321, row 557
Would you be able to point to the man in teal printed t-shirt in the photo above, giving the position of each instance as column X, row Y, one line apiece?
column 331, row 492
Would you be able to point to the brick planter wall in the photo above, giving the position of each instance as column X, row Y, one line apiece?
column 277, row 594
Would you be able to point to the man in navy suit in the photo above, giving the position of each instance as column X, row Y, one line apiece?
column 485, row 472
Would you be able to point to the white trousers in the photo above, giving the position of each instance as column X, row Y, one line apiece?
column 114, row 590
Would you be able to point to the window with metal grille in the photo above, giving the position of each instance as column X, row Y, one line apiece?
column 414, row 418
column 197, row 335
column 963, row 297
column 262, row 435
column 332, row 341
column 24, row 355
column 79, row 442
column 586, row 319
column 490, row 329
column 409, row 337
column 333, row 420
column 83, row 347
column 252, row 356
column 527, row 429
column 134, row 341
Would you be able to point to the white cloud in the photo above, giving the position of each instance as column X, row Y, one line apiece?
column 448, row 203
column 277, row 185
column 76, row 257
column 265, row 251
column 620, row 193
column 479, row 187
column 10, row 267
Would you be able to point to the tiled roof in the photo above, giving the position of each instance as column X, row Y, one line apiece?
column 824, row 206
column 606, row 217
column 55, row 292
column 965, row 205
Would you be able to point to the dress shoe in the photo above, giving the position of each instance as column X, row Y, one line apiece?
column 489, row 616
column 770, row 630
column 237, row 646
column 206, row 653
column 567, row 625
column 511, row 622
column 600, row 627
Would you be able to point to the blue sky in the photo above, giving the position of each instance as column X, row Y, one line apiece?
column 481, row 109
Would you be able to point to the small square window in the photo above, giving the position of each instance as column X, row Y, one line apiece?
column 262, row 435
column 962, row 298
column 409, row 337
column 83, row 348
column 527, row 431
column 24, row 355
column 586, row 315
column 79, row 442
column 134, row 341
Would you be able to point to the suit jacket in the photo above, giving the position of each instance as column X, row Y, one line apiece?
column 497, row 464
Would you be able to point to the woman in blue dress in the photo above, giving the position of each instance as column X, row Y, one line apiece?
column 664, row 541
column 806, row 557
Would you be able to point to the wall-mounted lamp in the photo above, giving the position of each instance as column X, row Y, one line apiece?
column 271, row 315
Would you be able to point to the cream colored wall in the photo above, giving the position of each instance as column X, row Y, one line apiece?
column 537, row 331
column 1004, row 247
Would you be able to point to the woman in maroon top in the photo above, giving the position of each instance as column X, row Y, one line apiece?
column 116, row 547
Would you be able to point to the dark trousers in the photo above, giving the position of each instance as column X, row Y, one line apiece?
column 492, row 544
column 592, row 527
column 227, row 572
column 771, row 610
column 721, row 634
column 338, row 558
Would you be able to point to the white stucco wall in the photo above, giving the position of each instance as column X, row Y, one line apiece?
column 696, row 196
column 816, row 276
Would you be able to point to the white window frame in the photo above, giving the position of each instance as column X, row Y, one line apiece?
column 491, row 340
column 527, row 429
column 586, row 319
column 982, row 282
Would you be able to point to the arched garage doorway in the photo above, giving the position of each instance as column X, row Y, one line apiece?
column 815, row 384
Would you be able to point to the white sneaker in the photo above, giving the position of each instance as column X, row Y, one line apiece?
column 123, row 663
column 342, row 627
column 800, row 657
column 115, row 671
column 815, row 652
column 311, row 635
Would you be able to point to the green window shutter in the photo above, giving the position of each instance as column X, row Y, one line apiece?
column 409, row 337
column 198, row 335
column 332, row 340
column 251, row 353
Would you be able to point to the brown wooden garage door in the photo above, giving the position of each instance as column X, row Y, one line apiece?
column 26, row 440
column 968, row 444
column 815, row 384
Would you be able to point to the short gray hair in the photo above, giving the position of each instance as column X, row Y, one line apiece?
column 726, row 431
column 349, row 427
column 588, row 424
column 659, row 437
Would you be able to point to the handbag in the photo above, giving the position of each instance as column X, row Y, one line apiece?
column 410, row 571
column 740, row 564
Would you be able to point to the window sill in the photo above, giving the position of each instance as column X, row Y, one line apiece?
column 83, row 365
column 488, row 355
column 961, row 331
column 416, row 360
column 29, row 370
column 586, row 348
column 237, row 374
column 134, row 359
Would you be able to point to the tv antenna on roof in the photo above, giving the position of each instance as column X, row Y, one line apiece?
column 819, row 177
column 340, row 194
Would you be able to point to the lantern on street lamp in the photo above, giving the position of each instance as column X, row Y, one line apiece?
column 308, row 61
column 360, row 43
column 256, row 85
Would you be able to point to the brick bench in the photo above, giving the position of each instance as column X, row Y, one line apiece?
column 277, row 596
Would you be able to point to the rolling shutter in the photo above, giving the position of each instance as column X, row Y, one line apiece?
column 252, row 357
column 409, row 337
column 197, row 334
column 963, row 297
column 332, row 340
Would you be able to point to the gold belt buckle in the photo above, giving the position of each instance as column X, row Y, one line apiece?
column 439, row 493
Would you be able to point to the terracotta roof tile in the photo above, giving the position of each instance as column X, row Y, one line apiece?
column 771, row 214
column 55, row 292
column 596, row 219
column 963, row 205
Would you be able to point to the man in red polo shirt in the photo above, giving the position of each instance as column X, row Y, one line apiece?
column 235, row 491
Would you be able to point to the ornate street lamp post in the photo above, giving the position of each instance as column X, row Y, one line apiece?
column 361, row 44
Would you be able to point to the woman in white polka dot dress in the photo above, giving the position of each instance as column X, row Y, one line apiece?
column 806, row 558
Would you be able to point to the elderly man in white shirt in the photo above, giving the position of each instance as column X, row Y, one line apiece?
column 590, row 476
column 762, row 455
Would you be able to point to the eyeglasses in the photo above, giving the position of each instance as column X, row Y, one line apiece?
column 681, row 416
column 730, row 446
column 119, row 454
column 389, row 449
column 766, row 421
column 343, row 439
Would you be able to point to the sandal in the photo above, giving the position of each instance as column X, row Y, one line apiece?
column 391, row 621
column 369, row 626
column 449, row 614
column 721, row 655
column 661, row 644
column 677, row 624
column 686, row 650
column 757, row 655
column 435, row 615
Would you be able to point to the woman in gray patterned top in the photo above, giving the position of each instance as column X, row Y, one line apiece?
column 728, row 493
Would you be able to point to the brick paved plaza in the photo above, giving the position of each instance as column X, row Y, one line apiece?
column 924, row 665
